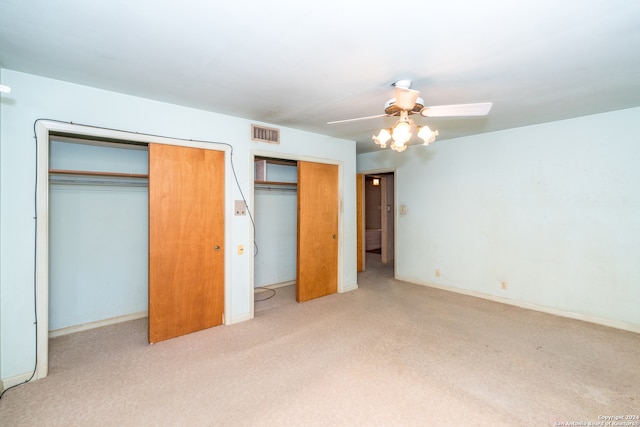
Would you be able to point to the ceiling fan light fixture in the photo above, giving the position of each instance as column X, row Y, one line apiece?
column 406, row 103
column 382, row 138
column 401, row 132
column 426, row 134
column 399, row 147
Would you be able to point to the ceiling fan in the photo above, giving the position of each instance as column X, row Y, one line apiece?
column 407, row 102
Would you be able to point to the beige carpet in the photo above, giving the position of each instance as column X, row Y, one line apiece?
column 387, row 354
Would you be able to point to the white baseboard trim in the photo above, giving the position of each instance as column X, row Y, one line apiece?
column 349, row 288
column 6, row 383
column 277, row 285
column 239, row 319
column 529, row 306
column 97, row 324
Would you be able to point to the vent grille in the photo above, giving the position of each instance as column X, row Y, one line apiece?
column 263, row 134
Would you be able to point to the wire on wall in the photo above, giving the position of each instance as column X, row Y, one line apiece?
column 233, row 169
column 35, row 262
column 35, row 217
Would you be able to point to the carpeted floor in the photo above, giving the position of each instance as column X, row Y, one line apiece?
column 387, row 354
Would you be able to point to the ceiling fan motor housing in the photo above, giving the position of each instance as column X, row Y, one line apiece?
column 392, row 109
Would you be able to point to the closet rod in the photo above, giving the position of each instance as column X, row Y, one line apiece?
column 286, row 184
column 110, row 183
column 95, row 173
column 276, row 188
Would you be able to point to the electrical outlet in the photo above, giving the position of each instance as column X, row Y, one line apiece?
column 503, row 284
column 241, row 207
column 240, row 249
column 437, row 272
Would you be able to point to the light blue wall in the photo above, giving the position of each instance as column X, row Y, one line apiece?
column 281, row 173
column 276, row 236
column 64, row 154
column 34, row 97
column 552, row 209
column 98, row 253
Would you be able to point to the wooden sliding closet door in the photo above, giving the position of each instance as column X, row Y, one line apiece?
column 317, row 272
column 186, row 240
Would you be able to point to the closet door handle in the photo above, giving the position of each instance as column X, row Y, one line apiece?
column 334, row 237
column 216, row 248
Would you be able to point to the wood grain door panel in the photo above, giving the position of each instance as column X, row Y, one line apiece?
column 186, row 240
column 317, row 249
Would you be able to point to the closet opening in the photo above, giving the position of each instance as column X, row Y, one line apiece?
column 297, row 226
column 85, row 177
column 98, row 232
column 275, row 210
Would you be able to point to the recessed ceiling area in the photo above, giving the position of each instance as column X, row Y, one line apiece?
column 301, row 65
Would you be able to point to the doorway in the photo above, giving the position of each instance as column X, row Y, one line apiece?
column 378, row 225
column 275, row 219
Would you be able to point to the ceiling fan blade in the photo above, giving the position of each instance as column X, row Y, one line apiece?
column 356, row 119
column 406, row 98
column 479, row 109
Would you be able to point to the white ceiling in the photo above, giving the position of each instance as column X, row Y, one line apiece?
column 300, row 64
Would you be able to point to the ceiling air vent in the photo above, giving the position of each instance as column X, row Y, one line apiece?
column 263, row 134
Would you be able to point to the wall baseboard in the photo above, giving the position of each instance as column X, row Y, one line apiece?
column 97, row 324
column 6, row 383
column 239, row 319
column 521, row 304
column 349, row 288
column 277, row 285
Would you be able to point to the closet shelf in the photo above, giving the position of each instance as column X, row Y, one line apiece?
column 285, row 184
column 94, row 173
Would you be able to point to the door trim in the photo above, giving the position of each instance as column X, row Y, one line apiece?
column 360, row 243
column 43, row 130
